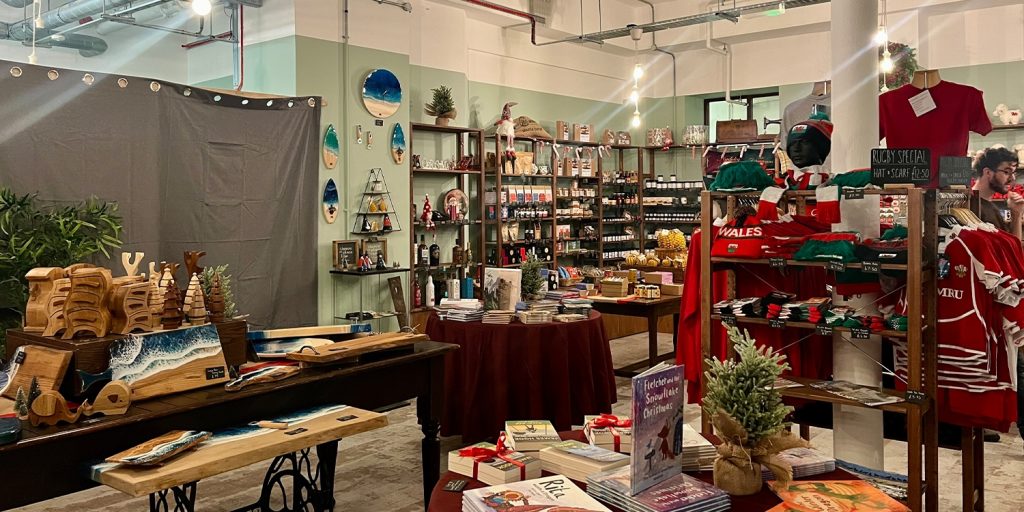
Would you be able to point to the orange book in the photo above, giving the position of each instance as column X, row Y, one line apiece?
column 833, row 496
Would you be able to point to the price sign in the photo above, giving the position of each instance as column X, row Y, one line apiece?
column 916, row 396
column 775, row 323
column 777, row 262
column 872, row 267
column 855, row 193
column 823, row 330
column 838, row 266
column 728, row 319
column 955, row 170
column 904, row 165
column 859, row 333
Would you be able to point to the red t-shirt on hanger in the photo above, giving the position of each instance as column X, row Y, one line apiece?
column 959, row 109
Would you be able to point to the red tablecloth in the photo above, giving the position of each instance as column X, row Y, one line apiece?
column 446, row 501
column 555, row 371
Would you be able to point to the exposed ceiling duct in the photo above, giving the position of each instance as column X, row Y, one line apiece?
column 70, row 12
column 17, row 3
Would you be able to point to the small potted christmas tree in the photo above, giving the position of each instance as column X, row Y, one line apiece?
column 533, row 283
column 749, row 415
column 441, row 106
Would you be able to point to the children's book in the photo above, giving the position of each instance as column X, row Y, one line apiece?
column 657, row 414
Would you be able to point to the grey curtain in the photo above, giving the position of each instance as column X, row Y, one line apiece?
column 189, row 169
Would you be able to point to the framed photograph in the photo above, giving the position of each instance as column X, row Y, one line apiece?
column 370, row 247
column 345, row 251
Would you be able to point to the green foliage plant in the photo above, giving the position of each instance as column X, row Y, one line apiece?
column 532, row 281
column 206, row 280
column 442, row 104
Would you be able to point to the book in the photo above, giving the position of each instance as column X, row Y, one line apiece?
column 493, row 470
column 657, row 414
column 805, row 461
column 863, row 394
column 553, row 491
column 578, row 460
column 846, row 495
column 781, row 383
column 502, row 288
column 698, row 453
column 615, row 438
column 530, row 435
column 679, row 493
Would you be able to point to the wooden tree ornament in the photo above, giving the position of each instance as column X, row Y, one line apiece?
column 41, row 287
column 85, row 310
column 156, row 297
column 171, row 316
column 215, row 302
column 195, row 304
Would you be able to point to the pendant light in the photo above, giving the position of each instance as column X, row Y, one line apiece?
column 638, row 73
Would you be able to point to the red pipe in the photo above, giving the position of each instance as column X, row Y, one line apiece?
column 513, row 12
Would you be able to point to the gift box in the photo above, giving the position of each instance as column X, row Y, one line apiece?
column 562, row 130
column 493, row 465
column 614, row 287
column 609, row 432
column 672, row 289
column 658, row 277
column 583, row 132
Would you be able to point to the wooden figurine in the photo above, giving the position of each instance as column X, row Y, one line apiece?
column 169, row 270
column 40, row 289
column 85, row 310
column 195, row 304
column 129, row 306
column 112, row 400
column 192, row 262
column 171, row 315
column 55, row 323
column 131, row 268
column 75, row 266
column 215, row 302
column 156, row 297
column 51, row 408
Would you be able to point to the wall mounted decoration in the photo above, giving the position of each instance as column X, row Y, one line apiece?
column 369, row 140
column 372, row 217
column 382, row 93
column 359, row 134
column 330, row 201
column 398, row 143
column 331, row 150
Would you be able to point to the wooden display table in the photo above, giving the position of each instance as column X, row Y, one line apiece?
column 54, row 461
column 321, row 427
column 652, row 310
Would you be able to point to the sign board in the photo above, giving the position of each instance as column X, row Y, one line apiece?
column 903, row 165
column 955, row 170
column 346, row 252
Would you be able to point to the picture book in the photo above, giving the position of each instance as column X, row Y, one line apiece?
column 502, row 288
column 480, row 461
column 845, row 495
column 553, row 491
column 680, row 492
column 657, row 415
column 530, row 435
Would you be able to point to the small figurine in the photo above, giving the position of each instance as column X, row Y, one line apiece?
column 387, row 223
column 381, row 264
column 366, row 224
column 426, row 218
column 364, row 262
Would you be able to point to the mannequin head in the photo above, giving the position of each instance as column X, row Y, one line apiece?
column 995, row 169
column 810, row 142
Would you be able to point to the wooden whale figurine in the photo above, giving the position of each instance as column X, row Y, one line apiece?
column 113, row 399
column 51, row 408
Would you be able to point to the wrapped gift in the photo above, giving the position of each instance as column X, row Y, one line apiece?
column 583, row 132
column 658, row 277
column 609, row 432
column 493, row 464
column 562, row 130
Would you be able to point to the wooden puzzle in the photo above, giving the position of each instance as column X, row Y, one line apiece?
column 131, row 267
column 55, row 323
column 46, row 364
column 129, row 308
column 85, row 310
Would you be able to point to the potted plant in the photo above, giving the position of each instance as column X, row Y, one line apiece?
column 532, row 282
column 441, row 106
column 749, row 415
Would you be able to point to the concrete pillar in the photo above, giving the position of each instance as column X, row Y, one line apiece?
column 857, row 431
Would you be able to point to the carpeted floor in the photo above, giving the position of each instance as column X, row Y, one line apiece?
column 380, row 471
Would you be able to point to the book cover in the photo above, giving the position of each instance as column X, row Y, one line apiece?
column 844, row 495
column 678, row 492
column 805, row 462
column 482, row 468
column 619, row 438
column 531, row 495
column 502, row 288
column 657, row 415
column 593, row 454
column 531, row 435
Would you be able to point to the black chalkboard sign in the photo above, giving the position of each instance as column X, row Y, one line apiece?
column 903, row 165
column 955, row 170
column 345, row 253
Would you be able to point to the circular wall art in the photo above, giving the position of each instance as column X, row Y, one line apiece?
column 382, row 93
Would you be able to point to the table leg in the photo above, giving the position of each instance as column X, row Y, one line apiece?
column 967, row 454
column 428, row 412
column 327, row 454
column 675, row 331
column 184, row 499
column 979, row 468
column 652, row 339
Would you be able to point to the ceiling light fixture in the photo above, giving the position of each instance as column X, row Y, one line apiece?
column 638, row 73
column 886, row 65
column 202, row 7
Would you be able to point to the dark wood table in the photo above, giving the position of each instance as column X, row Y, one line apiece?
column 53, row 461
column 652, row 310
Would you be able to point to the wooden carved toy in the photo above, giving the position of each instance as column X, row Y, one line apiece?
column 171, row 315
column 215, row 302
column 129, row 306
column 192, row 262
column 195, row 305
column 55, row 323
column 40, row 289
column 51, row 408
column 112, row 400
column 85, row 310
column 75, row 266
column 168, row 270
column 131, row 268
column 156, row 297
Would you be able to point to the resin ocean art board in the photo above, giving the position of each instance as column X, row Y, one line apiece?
column 382, row 93
column 330, row 201
column 331, row 148
column 398, row 143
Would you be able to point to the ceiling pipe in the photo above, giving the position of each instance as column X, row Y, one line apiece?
column 237, row 49
column 405, row 6
column 84, row 23
column 654, row 47
column 144, row 17
column 70, row 12
column 533, row 18
column 726, row 50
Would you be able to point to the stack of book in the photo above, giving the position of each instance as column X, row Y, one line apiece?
column 460, row 315
column 609, row 432
column 550, row 306
column 466, row 310
column 482, row 462
column 554, row 492
column 577, row 306
column 698, row 453
column 568, row 317
column 561, row 295
column 535, row 317
column 530, row 435
column 578, row 460
column 834, row 495
column 805, row 461
column 677, row 494
column 498, row 316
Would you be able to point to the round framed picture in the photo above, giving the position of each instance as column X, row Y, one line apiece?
column 382, row 93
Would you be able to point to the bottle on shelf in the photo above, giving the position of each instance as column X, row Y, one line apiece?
column 417, row 294
column 457, row 252
column 435, row 253
column 423, row 252
column 429, row 296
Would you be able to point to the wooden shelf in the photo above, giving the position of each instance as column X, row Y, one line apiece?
column 621, row 241
column 808, row 393
column 796, row 263
column 471, row 170
column 448, row 223
column 547, row 176
column 443, row 266
column 808, row 325
column 694, row 222
column 389, row 270
column 375, row 233
column 376, row 317
column 1008, row 127
column 522, row 241
column 428, row 127
column 517, row 265
column 620, row 221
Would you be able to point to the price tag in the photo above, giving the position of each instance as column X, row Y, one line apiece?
column 872, row 267
column 859, row 333
column 216, row 372
column 777, row 262
column 823, row 330
column 295, row 431
column 922, row 103
column 838, row 266
column 853, row 193
column 378, row 122
column 916, row 396
column 775, row 323
column 729, row 319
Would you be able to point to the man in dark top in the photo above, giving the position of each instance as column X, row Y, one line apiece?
column 996, row 171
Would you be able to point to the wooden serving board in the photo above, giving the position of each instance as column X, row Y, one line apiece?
column 47, row 365
column 307, row 332
column 353, row 348
column 239, row 447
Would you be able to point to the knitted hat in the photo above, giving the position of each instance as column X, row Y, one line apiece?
column 742, row 174
column 817, row 130
column 740, row 238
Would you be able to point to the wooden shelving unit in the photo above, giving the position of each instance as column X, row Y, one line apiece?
column 496, row 179
column 921, row 417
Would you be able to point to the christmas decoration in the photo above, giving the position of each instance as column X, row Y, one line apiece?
column 507, row 128
column 33, row 391
column 427, row 218
column 905, row 64
column 21, row 404
column 441, row 106
column 171, row 316
column 533, row 284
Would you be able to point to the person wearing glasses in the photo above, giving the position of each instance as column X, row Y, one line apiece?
column 995, row 171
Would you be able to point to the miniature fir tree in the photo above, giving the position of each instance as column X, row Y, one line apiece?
column 33, row 391
column 196, row 311
column 171, row 317
column 745, row 389
column 442, row 104
column 21, row 403
column 532, row 282
column 221, row 272
column 215, row 302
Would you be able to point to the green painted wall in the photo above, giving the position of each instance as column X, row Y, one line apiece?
column 270, row 67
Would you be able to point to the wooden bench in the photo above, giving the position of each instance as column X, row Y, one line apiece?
column 311, row 484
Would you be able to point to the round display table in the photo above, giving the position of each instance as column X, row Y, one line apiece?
column 555, row 371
